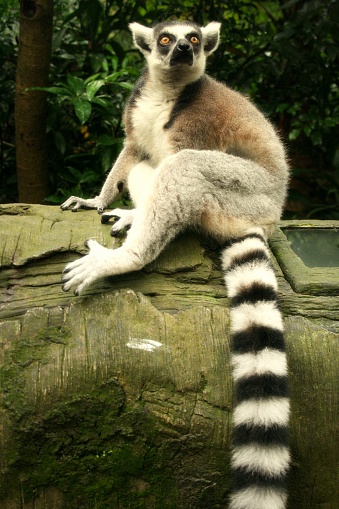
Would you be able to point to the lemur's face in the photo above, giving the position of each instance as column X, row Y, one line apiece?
column 178, row 44
column 174, row 44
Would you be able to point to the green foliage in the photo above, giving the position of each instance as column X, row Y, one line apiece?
column 284, row 54
column 92, row 77
column 77, row 100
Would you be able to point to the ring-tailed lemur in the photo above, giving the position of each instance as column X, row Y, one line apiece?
column 197, row 153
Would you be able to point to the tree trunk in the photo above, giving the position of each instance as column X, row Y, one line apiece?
column 36, row 23
column 123, row 398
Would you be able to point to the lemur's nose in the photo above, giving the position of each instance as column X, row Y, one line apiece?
column 183, row 45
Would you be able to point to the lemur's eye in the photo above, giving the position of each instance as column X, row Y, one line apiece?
column 194, row 39
column 165, row 40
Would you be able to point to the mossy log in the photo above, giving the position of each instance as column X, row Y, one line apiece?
column 122, row 398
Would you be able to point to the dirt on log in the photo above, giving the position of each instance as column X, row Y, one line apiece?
column 122, row 398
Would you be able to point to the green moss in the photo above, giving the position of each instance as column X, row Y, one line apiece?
column 24, row 352
column 91, row 447
column 82, row 449
column 29, row 350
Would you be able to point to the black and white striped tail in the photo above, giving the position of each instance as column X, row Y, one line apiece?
column 260, row 456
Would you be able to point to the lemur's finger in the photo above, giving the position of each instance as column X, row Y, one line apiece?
column 68, row 202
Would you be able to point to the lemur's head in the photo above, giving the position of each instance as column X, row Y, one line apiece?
column 175, row 47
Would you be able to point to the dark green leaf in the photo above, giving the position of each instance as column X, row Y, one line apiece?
column 106, row 140
column 83, row 109
column 93, row 87
column 53, row 90
column 60, row 142
column 294, row 134
column 76, row 85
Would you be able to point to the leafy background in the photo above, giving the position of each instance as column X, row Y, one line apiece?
column 283, row 54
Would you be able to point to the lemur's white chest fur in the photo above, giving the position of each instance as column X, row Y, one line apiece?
column 150, row 114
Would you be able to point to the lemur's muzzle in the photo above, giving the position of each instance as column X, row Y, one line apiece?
column 182, row 53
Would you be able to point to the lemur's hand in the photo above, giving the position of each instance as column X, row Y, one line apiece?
column 86, row 270
column 81, row 203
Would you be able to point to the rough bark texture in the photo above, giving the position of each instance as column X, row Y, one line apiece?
column 123, row 398
column 35, row 39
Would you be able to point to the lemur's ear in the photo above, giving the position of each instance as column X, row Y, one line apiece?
column 210, row 36
column 142, row 36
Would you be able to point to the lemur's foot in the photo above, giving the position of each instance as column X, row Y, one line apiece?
column 84, row 271
column 123, row 220
column 100, row 262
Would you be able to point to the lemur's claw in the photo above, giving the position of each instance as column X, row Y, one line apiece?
column 114, row 233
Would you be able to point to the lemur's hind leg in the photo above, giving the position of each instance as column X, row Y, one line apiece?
column 185, row 187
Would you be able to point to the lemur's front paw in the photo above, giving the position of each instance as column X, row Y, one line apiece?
column 123, row 220
column 81, row 203
column 84, row 271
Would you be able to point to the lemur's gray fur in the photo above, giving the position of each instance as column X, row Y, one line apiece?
column 199, row 154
